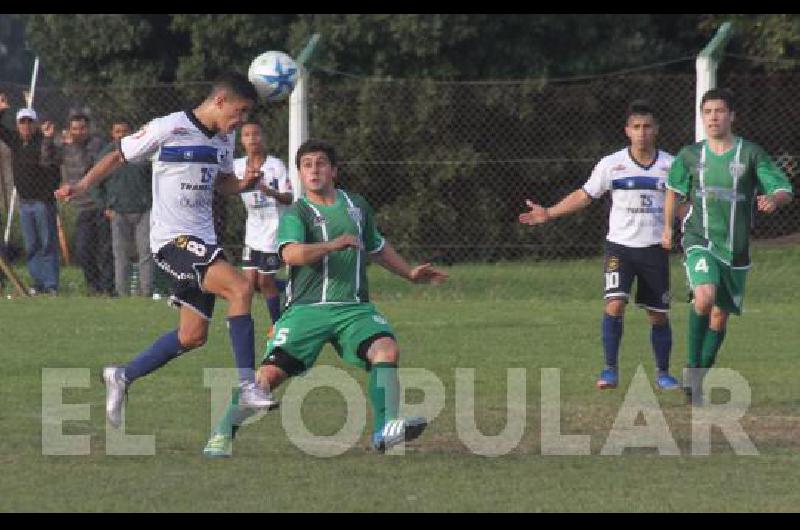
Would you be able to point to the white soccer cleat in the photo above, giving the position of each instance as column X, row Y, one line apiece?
column 397, row 431
column 116, row 390
column 253, row 396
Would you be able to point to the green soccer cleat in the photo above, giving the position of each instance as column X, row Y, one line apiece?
column 218, row 446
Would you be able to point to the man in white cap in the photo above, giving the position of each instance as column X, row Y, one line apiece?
column 35, row 184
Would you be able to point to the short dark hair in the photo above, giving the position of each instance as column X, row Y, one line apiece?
column 252, row 122
column 638, row 107
column 313, row 146
column 718, row 93
column 121, row 119
column 78, row 116
column 236, row 84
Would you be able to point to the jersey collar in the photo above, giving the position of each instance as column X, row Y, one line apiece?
column 197, row 123
column 655, row 159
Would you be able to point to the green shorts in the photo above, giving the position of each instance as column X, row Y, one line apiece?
column 702, row 267
column 303, row 330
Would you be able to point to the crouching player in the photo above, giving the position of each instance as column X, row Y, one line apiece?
column 325, row 238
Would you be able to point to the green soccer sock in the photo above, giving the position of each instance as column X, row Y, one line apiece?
column 698, row 327
column 711, row 344
column 234, row 417
column 384, row 393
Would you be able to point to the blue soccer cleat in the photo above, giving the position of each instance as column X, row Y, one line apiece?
column 608, row 379
column 667, row 382
column 397, row 431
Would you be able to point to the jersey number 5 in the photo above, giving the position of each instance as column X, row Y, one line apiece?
column 280, row 336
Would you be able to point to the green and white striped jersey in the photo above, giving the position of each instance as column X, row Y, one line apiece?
column 339, row 277
column 721, row 190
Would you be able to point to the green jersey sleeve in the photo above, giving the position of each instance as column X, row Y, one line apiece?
column 291, row 229
column 679, row 178
column 373, row 239
column 770, row 178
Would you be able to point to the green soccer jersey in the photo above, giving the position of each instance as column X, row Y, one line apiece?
column 341, row 276
column 721, row 190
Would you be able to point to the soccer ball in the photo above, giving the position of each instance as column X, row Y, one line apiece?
column 274, row 75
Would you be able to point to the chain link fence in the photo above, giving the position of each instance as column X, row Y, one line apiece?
column 448, row 166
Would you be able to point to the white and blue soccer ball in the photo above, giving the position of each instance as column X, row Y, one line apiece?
column 274, row 75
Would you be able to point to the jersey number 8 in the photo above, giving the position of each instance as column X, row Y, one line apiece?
column 198, row 249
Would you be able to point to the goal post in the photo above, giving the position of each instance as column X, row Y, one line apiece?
column 706, row 64
column 298, row 112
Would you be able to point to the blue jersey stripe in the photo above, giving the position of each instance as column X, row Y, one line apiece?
column 187, row 154
column 637, row 183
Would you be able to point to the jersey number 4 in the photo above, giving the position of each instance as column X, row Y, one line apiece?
column 701, row 266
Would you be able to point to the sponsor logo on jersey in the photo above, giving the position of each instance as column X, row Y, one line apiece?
column 180, row 131
column 737, row 170
column 355, row 214
column 181, row 241
column 187, row 186
column 318, row 220
column 619, row 167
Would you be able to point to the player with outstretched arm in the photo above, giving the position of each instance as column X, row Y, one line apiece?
column 192, row 152
column 326, row 238
column 635, row 176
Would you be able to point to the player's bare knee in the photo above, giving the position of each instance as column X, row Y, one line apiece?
column 384, row 350
column 240, row 291
column 270, row 376
column 703, row 303
column 718, row 320
column 615, row 307
column 657, row 318
column 192, row 339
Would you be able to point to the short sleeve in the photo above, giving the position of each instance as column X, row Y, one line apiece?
column 226, row 160
column 679, row 177
column 284, row 184
column 238, row 167
column 142, row 144
column 770, row 177
column 599, row 181
column 373, row 239
column 291, row 229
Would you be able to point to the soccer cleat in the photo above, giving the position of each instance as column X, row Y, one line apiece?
column 116, row 392
column 608, row 379
column 218, row 446
column 253, row 396
column 397, row 431
column 667, row 382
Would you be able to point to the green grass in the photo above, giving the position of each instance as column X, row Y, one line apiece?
column 488, row 318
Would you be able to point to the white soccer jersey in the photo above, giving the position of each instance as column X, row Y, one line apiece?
column 637, row 196
column 187, row 158
column 263, row 212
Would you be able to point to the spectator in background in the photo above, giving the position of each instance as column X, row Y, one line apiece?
column 93, row 231
column 35, row 184
column 125, row 198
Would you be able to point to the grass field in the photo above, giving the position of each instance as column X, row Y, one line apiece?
column 489, row 318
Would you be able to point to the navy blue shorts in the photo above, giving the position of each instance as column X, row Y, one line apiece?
column 648, row 265
column 263, row 262
column 185, row 259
